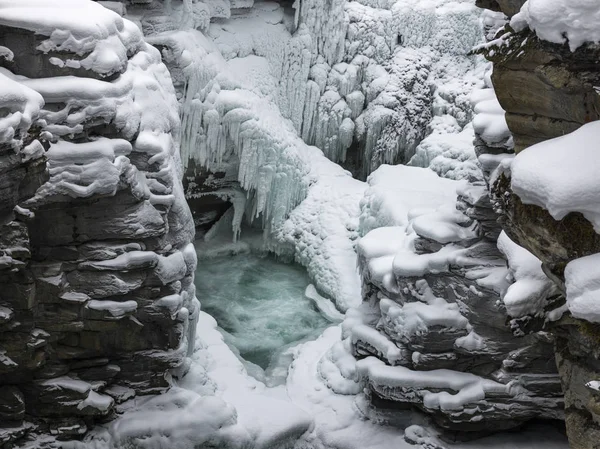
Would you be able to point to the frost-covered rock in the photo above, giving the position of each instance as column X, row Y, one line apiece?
column 96, row 262
column 433, row 318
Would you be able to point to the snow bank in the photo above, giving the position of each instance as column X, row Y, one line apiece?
column 574, row 21
column 489, row 122
column 561, row 174
column 582, row 281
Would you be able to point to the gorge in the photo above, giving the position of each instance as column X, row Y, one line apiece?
column 310, row 224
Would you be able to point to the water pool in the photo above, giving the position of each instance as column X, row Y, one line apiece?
column 259, row 302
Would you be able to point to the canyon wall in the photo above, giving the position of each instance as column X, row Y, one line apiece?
column 96, row 263
column 548, row 90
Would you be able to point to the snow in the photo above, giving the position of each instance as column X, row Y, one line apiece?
column 575, row 22
column 253, row 92
column 489, row 122
column 384, row 347
column 531, row 287
column 466, row 387
column 416, row 318
column 21, row 107
column 396, row 190
column 116, row 309
column 81, row 28
column 543, row 174
column 583, row 288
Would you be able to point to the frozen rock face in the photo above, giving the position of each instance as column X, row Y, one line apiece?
column 441, row 284
column 548, row 91
column 433, row 324
column 98, row 302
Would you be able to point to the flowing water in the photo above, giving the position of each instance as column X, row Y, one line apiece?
column 259, row 302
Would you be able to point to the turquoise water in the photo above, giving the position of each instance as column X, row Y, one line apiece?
column 259, row 302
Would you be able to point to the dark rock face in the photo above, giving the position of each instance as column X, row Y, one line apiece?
column 548, row 91
column 508, row 7
column 97, row 301
column 545, row 89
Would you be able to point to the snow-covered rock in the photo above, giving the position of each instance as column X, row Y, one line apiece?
column 96, row 262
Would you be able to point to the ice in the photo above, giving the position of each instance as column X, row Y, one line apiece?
column 448, row 150
column 573, row 21
column 324, row 305
column 543, row 174
column 583, row 288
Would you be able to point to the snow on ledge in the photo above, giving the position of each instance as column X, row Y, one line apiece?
column 560, row 21
column 582, row 281
column 22, row 106
column 82, row 27
column 561, row 174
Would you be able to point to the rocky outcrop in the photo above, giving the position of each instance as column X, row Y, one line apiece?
column 547, row 91
column 439, row 328
column 96, row 263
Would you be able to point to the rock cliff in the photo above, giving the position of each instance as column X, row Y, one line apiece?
column 548, row 90
column 96, row 263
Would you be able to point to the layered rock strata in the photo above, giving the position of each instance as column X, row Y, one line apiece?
column 438, row 327
column 549, row 90
column 97, row 301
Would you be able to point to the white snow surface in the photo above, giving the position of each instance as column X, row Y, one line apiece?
column 582, row 281
column 531, row 287
column 560, row 174
column 78, row 28
column 21, row 106
column 573, row 21
column 252, row 95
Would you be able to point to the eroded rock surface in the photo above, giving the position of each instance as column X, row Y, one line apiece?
column 96, row 261
column 547, row 91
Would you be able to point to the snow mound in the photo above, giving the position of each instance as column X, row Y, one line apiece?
column 528, row 294
column 574, row 21
column 396, row 190
column 583, row 288
column 98, row 35
column 543, row 174
column 21, row 106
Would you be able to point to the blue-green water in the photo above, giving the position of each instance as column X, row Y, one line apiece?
column 259, row 301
